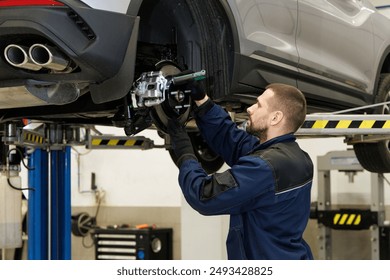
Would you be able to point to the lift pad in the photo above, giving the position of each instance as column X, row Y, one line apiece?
column 33, row 138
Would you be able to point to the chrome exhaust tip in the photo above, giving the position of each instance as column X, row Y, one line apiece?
column 48, row 57
column 17, row 56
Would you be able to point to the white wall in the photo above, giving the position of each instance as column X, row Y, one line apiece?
column 343, row 191
column 129, row 177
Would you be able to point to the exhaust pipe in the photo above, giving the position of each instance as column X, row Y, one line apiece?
column 48, row 57
column 18, row 56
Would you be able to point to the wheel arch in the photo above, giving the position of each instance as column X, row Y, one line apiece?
column 150, row 13
column 135, row 6
column 384, row 67
column 201, row 34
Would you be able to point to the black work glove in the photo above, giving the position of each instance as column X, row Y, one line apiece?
column 181, row 142
column 196, row 87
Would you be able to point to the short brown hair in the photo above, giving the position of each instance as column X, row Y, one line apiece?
column 291, row 102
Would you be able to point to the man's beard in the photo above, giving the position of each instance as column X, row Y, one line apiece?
column 259, row 133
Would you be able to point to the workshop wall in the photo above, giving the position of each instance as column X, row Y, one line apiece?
column 343, row 191
column 135, row 187
column 162, row 217
column 128, row 177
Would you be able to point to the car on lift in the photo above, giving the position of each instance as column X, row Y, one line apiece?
column 96, row 62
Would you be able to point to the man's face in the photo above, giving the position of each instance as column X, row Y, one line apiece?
column 260, row 115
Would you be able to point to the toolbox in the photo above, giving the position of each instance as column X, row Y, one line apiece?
column 133, row 244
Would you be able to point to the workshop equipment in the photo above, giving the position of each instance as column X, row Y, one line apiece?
column 10, row 211
column 133, row 244
column 372, row 217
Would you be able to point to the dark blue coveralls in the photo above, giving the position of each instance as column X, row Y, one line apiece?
column 266, row 191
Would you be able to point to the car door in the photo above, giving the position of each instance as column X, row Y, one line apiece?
column 335, row 46
column 267, row 31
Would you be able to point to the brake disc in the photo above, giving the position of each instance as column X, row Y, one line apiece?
column 174, row 106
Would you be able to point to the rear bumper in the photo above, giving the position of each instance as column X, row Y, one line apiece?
column 102, row 44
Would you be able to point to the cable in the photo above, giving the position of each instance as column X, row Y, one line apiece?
column 91, row 233
column 84, row 243
column 99, row 202
column 24, row 164
column 78, row 159
column 21, row 155
column 18, row 189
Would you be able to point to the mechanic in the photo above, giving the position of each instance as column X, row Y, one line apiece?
column 266, row 191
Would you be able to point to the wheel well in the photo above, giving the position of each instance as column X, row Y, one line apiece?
column 385, row 68
column 191, row 34
column 386, row 64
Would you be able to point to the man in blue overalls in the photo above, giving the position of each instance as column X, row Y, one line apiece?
column 266, row 191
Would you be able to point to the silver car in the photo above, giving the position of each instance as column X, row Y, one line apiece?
column 102, row 62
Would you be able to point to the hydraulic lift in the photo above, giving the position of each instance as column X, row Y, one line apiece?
column 371, row 217
column 49, row 207
column 49, row 191
column 49, row 204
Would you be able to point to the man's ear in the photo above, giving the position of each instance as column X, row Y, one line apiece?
column 277, row 117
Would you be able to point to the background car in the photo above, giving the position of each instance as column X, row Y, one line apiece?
column 97, row 63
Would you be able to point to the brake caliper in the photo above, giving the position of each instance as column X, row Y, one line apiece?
column 153, row 89
column 150, row 89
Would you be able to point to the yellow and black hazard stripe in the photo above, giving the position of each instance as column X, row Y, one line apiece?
column 33, row 138
column 347, row 219
column 117, row 142
column 346, row 124
column 140, row 142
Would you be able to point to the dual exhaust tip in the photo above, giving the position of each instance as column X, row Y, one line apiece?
column 36, row 57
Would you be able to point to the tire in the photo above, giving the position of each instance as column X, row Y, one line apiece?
column 375, row 157
column 209, row 160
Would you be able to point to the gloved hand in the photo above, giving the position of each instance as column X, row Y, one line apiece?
column 196, row 87
column 181, row 142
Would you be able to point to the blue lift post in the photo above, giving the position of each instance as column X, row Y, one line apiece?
column 49, row 205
